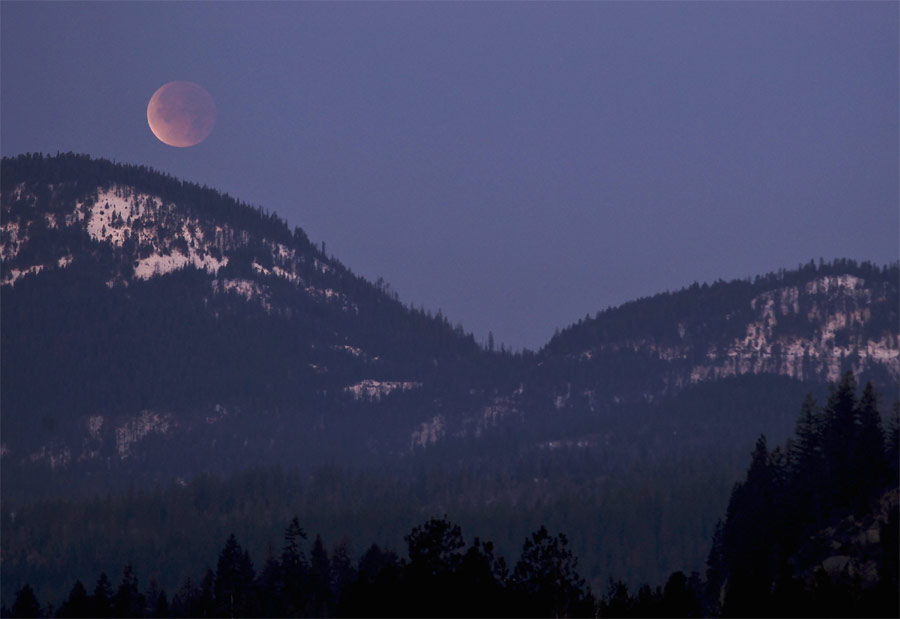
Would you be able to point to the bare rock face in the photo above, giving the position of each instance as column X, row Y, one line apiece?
column 854, row 549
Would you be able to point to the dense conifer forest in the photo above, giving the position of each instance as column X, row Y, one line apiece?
column 812, row 530
column 638, row 506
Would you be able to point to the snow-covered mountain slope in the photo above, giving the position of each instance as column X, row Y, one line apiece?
column 839, row 310
column 151, row 236
column 811, row 324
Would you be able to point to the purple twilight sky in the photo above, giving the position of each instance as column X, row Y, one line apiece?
column 515, row 165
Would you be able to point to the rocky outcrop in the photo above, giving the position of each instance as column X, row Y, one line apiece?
column 856, row 549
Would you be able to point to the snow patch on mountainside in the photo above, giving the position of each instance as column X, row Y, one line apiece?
column 814, row 330
column 13, row 275
column 428, row 432
column 93, row 442
column 136, row 428
column 581, row 443
column 108, row 219
column 353, row 350
column 846, row 309
column 9, row 240
column 369, row 389
column 95, row 425
column 824, row 285
column 54, row 456
column 492, row 414
column 246, row 288
column 115, row 218
column 219, row 413
column 158, row 238
column 160, row 264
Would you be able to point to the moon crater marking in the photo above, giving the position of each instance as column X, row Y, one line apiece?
column 181, row 114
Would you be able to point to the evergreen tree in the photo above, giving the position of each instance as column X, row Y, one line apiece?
column 294, row 567
column 805, row 461
column 377, row 592
column 482, row 575
column 838, row 438
column 343, row 573
column 234, row 580
column 26, row 604
column 156, row 600
column 78, row 604
column 374, row 563
column 435, row 552
column 184, row 600
column 679, row 599
column 717, row 567
column 128, row 601
column 806, row 447
column 101, row 600
column 867, row 458
column 205, row 602
column 546, row 577
column 773, row 524
column 320, row 601
column 893, row 443
column 160, row 609
column 270, row 586
column 617, row 602
column 435, row 547
column 749, row 537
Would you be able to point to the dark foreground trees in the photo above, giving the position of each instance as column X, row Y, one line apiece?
column 812, row 530
column 441, row 576
column 545, row 581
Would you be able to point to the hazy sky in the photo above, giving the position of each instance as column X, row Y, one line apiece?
column 515, row 165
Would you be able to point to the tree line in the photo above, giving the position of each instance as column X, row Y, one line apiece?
column 770, row 555
column 813, row 528
column 440, row 576
column 622, row 526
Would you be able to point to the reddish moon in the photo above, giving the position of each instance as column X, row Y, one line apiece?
column 181, row 114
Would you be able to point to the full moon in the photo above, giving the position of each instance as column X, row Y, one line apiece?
column 181, row 114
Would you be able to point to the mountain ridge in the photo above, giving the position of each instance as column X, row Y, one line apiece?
column 239, row 312
column 760, row 325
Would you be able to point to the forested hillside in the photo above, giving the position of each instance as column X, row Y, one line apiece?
column 811, row 323
column 811, row 531
column 178, row 366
